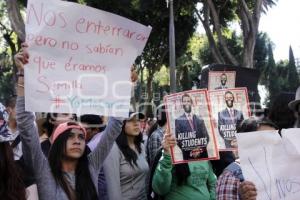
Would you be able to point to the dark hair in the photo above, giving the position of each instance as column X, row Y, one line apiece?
column 182, row 172
column 280, row 113
column 95, row 121
column 11, row 183
column 129, row 154
column 161, row 115
column 251, row 124
column 11, row 102
column 186, row 95
column 229, row 92
column 48, row 126
column 152, row 129
column 85, row 188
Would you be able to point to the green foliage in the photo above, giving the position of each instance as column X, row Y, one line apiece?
column 292, row 76
column 162, row 77
column 6, row 77
column 234, row 43
column 261, row 56
column 278, row 77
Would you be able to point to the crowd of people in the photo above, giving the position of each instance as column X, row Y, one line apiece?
column 90, row 157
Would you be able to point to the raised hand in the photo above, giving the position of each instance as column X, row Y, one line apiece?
column 21, row 58
column 169, row 140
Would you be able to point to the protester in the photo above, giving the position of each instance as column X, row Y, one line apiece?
column 12, row 186
column 156, row 137
column 230, row 180
column 191, row 181
column 68, row 173
column 12, row 127
column 93, row 124
column 52, row 121
column 294, row 106
column 16, row 144
column 126, row 167
column 280, row 113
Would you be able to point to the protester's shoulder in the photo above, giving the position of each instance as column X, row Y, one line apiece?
column 115, row 149
column 155, row 134
column 226, row 174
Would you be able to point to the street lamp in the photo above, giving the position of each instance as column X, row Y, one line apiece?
column 172, row 57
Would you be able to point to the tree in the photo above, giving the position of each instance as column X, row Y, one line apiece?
column 292, row 75
column 261, row 55
column 272, row 77
column 215, row 15
column 9, row 47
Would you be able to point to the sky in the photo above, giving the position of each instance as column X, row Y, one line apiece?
column 282, row 25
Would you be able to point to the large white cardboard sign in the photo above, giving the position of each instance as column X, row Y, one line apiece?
column 80, row 58
column 272, row 162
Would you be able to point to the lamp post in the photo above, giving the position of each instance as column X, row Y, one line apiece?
column 172, row 57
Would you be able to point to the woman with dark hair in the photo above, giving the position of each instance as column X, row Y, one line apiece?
column 52, row 121
column 69, row 173
column 126, row 167
column 11, row 182
column 189, row 181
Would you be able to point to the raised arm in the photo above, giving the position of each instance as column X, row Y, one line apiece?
column 109, row 135
column 111, row 169
column 32, row 151
column 162, row 178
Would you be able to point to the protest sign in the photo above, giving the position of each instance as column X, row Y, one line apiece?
column 229, row 107
column 188, row 115
column 221, row 80
column 272, row 163
column 80, row 58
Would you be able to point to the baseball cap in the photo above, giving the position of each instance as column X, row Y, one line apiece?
column 61, row 128
column 137, row 115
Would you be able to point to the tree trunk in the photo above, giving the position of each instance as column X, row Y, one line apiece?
column 249, row 23
column 15, row 18
column 212, row 44
column 217, row 26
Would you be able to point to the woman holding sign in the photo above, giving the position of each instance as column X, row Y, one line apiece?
column 69, row 173
column 194, row 180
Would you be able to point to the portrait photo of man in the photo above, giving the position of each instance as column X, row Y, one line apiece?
column 223, row 81
column 228, row 119
column 191, row 133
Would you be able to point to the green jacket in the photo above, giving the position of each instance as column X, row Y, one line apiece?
column 200, row 185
